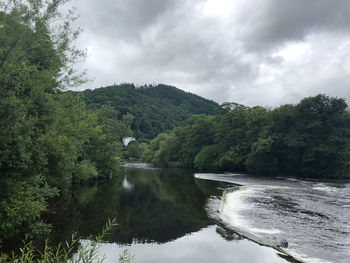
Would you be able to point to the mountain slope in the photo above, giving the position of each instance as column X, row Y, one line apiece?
column 153, row 109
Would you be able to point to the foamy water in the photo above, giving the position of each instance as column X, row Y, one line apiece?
column 312, row 217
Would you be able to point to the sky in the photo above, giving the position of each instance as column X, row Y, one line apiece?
column 266, row 52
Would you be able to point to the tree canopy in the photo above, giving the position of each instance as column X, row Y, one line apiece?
column 309, row 139
column 48, row 138
column 150, row 109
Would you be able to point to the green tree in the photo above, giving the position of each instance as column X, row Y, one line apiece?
column 31, row 71
column 132, row 151
column 322, row 127
column 311, row 138
column 206, row 158
column 47, row 138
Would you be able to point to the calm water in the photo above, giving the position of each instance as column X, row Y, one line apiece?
column 164, row 215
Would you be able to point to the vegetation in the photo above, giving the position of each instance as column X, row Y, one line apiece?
column 311, row 138
column 51, row 138
column 149, row 110
column 72, row 252
column 48, row 138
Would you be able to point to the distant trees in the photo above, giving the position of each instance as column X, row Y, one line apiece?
column 311, row 138
column 149, row 110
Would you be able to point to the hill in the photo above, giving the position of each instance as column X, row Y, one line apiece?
column 149, row 110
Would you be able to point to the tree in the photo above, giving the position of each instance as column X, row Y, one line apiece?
column 322, row 126
column 309, row 139
column 38, row 140
column 206, row 158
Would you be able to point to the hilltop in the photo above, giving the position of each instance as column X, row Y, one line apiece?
column 150, row 109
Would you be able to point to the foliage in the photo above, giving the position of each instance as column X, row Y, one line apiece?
column 149, row 110
column 84, row 171
column 22, row 201
column 48, row 138
column 72, row 252
column 132, row 151
column 205, row 159
column 311, row 138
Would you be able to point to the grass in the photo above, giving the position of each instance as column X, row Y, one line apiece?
column 70, row 252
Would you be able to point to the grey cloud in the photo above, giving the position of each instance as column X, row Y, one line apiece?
column 182, row 48
column 174, row 42
column 268, row 23
column 123, row 19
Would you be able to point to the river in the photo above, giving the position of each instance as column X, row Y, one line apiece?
column 174, row 215
column 313, row 216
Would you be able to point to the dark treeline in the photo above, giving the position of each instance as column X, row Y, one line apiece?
column 310, row 139
column 48, row 138
column 174, row 195
column 150, row 109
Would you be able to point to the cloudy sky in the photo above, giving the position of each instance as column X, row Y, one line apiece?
column 254, row 52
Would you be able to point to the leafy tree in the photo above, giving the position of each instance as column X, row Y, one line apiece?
column 322, row 129
column 31, row 71
column 311, row 138
column 206, row 158
column 132, row 151
column 149, row 110
column 128, row 119
column 84, row 171
column 192, row 138
column 48, row 138
column 262, row 159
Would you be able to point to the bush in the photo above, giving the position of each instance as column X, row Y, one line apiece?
column 85, row 170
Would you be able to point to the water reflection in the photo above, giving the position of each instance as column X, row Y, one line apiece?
column 127, row 185
column 150, row 206
column 162, row 216
column 204, row 246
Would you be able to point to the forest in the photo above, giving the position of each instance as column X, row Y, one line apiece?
column 149, row 109
column 309, row 139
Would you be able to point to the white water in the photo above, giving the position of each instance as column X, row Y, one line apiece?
column 312, row 217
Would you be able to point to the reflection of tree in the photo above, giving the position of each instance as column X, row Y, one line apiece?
column 163, row 205
column 84, row 209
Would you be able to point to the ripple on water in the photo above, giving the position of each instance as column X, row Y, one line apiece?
column 312, row 217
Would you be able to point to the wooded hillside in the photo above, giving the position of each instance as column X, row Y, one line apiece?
column 149, row 110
